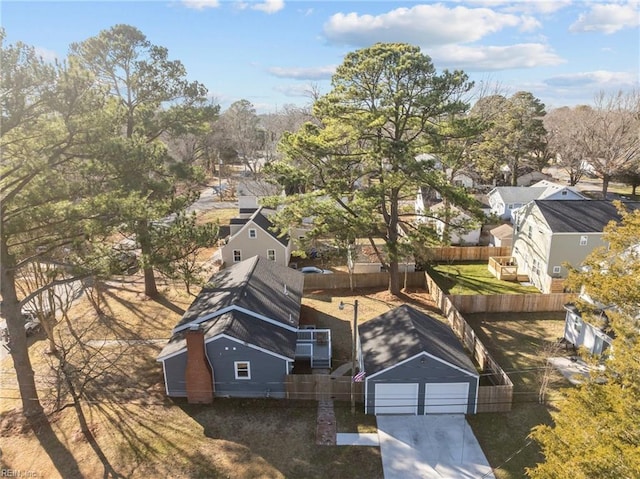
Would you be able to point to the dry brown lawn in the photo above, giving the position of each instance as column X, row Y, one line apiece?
column 321, row 308
column 137, row 431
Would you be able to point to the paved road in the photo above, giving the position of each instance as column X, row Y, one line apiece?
column 434, row 446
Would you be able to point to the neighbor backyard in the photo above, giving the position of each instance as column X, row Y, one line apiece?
column 474, row 278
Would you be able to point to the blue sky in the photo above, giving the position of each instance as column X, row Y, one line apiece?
column 272, row 52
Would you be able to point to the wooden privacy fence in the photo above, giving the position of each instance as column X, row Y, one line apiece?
column 360, row 280
column 466, row 253
column 322, row 387
column 494, row 398
column 510, row 303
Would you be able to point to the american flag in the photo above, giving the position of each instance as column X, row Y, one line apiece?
column 358, row 378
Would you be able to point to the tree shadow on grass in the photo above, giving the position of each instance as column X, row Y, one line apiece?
column 14, row 423
column 276, row 437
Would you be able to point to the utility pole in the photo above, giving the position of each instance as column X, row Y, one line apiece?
column 354, row 358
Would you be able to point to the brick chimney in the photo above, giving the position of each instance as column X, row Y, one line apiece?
column 198, row 374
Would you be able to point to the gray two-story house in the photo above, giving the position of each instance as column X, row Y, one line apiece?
column 549, row 233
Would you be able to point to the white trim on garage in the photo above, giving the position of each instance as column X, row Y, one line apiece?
column 382, row 371
column 396, row 398
column 446, row 398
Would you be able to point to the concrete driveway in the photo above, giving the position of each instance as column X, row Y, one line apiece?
column 430, row 447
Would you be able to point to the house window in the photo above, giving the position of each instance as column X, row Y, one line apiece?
column 271, row 254
column 556, row 270
column 564, row 193
column 237, row 255
column 253, row 233
column 529, row 232
column 242, row 369
column 577, row 325
column 583, row 240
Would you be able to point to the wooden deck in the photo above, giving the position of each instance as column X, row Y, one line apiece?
column 315, row 345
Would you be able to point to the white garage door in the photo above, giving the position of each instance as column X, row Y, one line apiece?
column 446, row 398
column 396, row 398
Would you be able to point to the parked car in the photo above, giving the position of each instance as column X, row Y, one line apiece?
column 314, row 270
column 31, row 324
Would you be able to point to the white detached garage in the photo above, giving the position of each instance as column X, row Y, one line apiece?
column 415, row 364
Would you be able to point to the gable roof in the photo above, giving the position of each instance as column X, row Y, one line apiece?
column 404, row 332
column 502, row 231
column 258, row 218
column 551, row 188
column 255, row 300
column 517, row 194
column 580, row 216
column 525, row 194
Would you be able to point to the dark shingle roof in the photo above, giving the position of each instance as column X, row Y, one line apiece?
column 263, row 222
column 256, row 285
column 405, row 332
column 580, row 216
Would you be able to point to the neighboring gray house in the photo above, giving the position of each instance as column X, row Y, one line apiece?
column 549, row 233
column 252, row 234
column 505, row 199
column 582, row 334
column 415, row 364
column 240, row 336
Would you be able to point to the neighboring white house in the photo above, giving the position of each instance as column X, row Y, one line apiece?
column 504, row 200
column 253, row 235
column 458, row 177
column 462, row 229
column 528, row 179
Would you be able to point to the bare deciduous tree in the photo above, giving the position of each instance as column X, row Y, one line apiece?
column 610, row 137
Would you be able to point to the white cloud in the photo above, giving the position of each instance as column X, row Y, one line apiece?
column 269, row 6
column 424, row 25
column 303, row 73
column 296, row 91
column 201, row 4
column 608, row 18
column 544, row 7
column 47, row 55
column 599, row 79
column 492, row 58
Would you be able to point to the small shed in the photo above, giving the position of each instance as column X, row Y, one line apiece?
column 501, row 235
column 415, row 364
column 583, row 334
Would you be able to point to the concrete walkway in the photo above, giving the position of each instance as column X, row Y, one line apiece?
column 575, row 370
column 357, row 439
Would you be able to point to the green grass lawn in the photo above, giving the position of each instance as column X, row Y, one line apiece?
column 473, row 278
